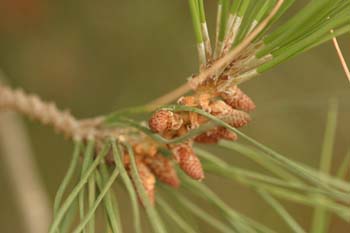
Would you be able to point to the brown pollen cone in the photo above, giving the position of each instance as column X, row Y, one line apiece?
column 163, row 120
column 237, row 118
column 231, row 106
column 188, row 161
column 148, row 180
column 187, row 101
column 233, row 117
column 237, row 99
column 214, row 135
column 163, row 169
column 146, row 148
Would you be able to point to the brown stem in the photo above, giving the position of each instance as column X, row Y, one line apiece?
column 45, row 112
column 169, row 97
column 48, row 114
column 341, row 58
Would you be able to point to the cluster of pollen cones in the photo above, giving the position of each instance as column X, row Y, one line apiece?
column 232, row 106
column 151, row 165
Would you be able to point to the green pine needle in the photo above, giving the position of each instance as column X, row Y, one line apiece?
column 111, row 209
column 184, row 226
column 77, row 189
column 129, row 187
column 237, row 220
column 200, row 213
column 291, row 222
column 321, row 219
column 98, row 200
column 196, row 20
column 68, row 177
column 150, row 210
column 88, row 158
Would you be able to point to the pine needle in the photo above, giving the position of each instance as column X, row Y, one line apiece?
column 237, row 220
column 129, row 187
column 69, row 218
column 300, row 170
column 68, row 177
column 200, row 213
column 77, row 189
column 100, row 197
column 216, row 166
column 291, row 222
column 150, row 210
column 110, row 208
column 88, row 154
column 321, row 218
column 194, row 8
column 344, row 167
column 175, row 216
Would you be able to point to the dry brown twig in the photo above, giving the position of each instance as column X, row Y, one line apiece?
column 341, row 58
column 47, row 113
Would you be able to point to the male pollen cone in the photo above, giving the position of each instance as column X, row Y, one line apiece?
column 188, row 161
column 233, row 117
column 237, row 118
column 163, row 120
column 148, row 180
column 237, row 99
column 227, row 135
column 214, row 135
column 163, row 169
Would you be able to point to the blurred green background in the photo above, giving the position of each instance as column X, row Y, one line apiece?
column 95, row 56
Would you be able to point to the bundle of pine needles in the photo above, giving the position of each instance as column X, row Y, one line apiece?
column 247, row 43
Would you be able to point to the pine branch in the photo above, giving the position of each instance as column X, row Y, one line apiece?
column 48, row 114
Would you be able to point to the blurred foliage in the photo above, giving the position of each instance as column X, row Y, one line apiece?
column 93, row 57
